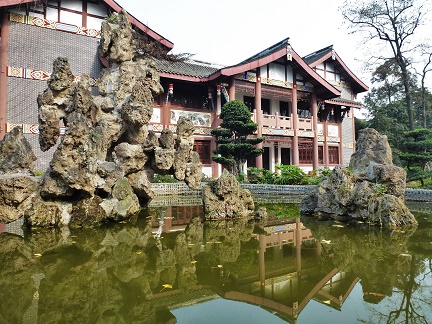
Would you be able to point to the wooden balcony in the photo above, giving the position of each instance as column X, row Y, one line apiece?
column 282, row 122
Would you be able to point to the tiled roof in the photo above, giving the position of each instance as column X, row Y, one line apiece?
column 346, row 101
column 191, row 68
column 266, row 52
column 315, row 56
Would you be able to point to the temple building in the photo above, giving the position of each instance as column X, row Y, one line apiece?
column 304, row 106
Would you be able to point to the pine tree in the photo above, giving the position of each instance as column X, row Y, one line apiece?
column 234, row 146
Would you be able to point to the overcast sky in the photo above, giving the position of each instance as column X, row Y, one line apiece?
column 229, row 31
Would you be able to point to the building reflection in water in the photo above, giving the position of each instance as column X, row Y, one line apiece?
column 288, row 274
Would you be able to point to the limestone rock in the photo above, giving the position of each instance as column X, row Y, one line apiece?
column 166, row 139
column 164, row 160
column 42, row 213
column 116, row 42
column 123, row 203
column 373, row 190
column 225, row 199
column 130, row 157
column 141, row 185
column 16, row 154
column 16, row 192
column 105, row 160
column 88, row 212
column 371, row 148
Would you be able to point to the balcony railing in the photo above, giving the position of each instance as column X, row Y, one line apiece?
column 282, row 122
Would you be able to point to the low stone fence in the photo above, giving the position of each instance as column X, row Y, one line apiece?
column 418, row 194
column 180, row 188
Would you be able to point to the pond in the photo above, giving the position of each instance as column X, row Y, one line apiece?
column 284, row 269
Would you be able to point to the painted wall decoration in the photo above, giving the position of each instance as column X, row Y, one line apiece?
column 29, row 128
column 333, row 131
column 156, row 117
column 18, row 72
column 45, row 23
column 198, row 118
column 320, row 129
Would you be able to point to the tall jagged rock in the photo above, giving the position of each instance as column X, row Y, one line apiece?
column 105, row 160
column 371, row 189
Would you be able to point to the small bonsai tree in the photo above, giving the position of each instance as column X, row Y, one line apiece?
column 234, row 146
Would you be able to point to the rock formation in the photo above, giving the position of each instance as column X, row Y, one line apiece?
column 224, row 198
column 104, row 162
column 371, row 189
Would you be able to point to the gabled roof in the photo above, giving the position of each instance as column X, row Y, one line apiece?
column 323, row 89
column 116, row 7
column 328, row 53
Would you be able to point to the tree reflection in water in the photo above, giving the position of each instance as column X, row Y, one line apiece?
column 122, row 273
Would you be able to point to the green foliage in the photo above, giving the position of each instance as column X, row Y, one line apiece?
column 112, row 18
column 359, row 124
column 416, row 154
column 285, row 175
column 159, row 178
column 38, row 173
column 234, row 146
column 281, row 210
column 260, row 176
column 290, row 175
column 380, row 188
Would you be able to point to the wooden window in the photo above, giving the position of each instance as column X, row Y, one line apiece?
column 204, row 151
column 320, row 155
column 333, row 152
column 305, row 153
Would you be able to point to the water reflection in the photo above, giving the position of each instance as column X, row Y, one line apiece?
column 288, row 267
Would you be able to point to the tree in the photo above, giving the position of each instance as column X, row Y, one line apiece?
column 416, row 152
column 234, row 145
column 392, row 23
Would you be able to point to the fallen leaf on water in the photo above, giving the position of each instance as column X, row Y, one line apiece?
column 337, row 225
column 166, row 286
column 138, row 252
column 37, row 255
column 73, row 242
column 218, row 242
column 220, row 266
column 73, row 236
column 405, row 254
column 191, row 244
column 194, row 261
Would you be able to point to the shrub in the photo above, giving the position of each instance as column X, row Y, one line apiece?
column 159, row 178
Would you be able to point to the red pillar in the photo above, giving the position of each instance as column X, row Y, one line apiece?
column 4, row 44
column 259, row 114
column 295, row 151
column 314, row 129
column 231, row 90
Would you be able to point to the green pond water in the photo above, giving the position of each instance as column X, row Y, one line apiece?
column 286, row 269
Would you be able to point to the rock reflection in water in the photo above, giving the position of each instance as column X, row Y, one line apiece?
column 123, row 274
